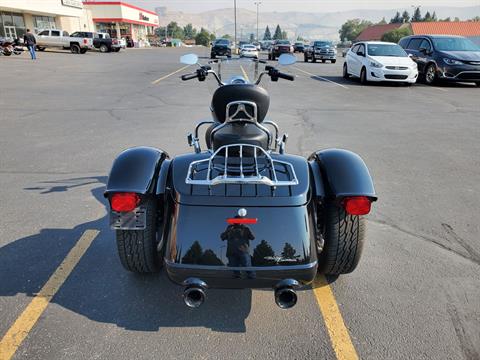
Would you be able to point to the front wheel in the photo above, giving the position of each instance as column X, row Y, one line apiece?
column 363, row 77
column 333, row 61
column 103, row 48
column 344, row 236
column 346, row 75
column 430, row 74
column 137, row 249
column 83, row 51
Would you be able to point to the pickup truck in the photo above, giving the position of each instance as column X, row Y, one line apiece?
column 61, row 39
column 101, row 41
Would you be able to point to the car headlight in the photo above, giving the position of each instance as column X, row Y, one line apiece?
column 376, row 64
column 452, row 61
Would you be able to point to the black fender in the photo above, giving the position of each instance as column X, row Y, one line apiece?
column 136, row 170
column 339, row 173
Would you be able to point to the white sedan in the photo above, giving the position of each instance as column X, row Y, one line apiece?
column 249, row 51
column 379, row 61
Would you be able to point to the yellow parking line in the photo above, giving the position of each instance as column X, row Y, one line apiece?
column 168, row 75
column 25, row 322
column 338, row 332
column 321, row 78
column 244, row 73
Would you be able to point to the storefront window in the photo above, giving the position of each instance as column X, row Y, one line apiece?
column 44, row 22
column 12, row 25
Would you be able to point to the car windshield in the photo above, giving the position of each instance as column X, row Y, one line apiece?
column 322, row 43
column 221, row 42
column 250, row 47
column 283, row 42
column 386, row 50
column 454, row 44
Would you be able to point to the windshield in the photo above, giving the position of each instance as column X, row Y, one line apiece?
column 228, row 69
column 322, row 43
column 222, row 42
column 386, row 50
column 283, row 42
column 454, row 44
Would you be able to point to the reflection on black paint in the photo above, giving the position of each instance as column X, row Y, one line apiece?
column 238, row 237
column 196, row 256
column 262, row 253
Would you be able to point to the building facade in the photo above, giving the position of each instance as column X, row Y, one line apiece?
column 122, row 20
column 119, row 19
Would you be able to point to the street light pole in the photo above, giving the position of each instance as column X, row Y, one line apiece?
column 258, row 4
column 235, row 19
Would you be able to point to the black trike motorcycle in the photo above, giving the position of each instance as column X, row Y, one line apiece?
column 243, row 213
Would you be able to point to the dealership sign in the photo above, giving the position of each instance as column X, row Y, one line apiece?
column 143, row 17
column 73, row 3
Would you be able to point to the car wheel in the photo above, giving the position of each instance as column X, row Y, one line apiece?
column 344, row 237
column 346, row 75
column 83, row 51
column 40, row 48
column 430, row 74
column 75, row 49
column 103, row 48
column 323, row 61
column 117, row 49
column 363, row 77
column 313, row 59
column 477, row 83
column 137, row 249
column 333, row 61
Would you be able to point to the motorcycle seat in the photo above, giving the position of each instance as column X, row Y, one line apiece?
column 240, row 132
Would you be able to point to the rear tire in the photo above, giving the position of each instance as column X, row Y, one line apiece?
column 137, row 249
column 83, row 51
column 344, row 238
column 103, row 48
column 363, row 77
column 333, row 61
column 75, row 49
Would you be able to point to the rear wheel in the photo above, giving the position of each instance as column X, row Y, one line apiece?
column 430, row 74
column 363, row 77
column 75, row 49
column 83, row 51
column 103, row 48
column 333, row 61
column 344, row 238
column 346, row 75
column 137, row 249
column 305, row 59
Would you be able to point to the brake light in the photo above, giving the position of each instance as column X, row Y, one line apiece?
column 124, row 202
column 358, row 205
column 85, row 41
column 234, row 221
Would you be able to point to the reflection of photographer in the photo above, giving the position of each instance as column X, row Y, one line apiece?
column 238, row 237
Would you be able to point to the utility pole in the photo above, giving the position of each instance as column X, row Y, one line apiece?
column 258, row 4
column 235, row 20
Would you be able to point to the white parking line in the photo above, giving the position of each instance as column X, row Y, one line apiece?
column 321, row 78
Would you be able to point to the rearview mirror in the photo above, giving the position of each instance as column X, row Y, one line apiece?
column 287, row 59
column 189, row 59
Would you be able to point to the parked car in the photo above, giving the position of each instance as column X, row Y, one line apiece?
column 278, row 48
column 440, row 57
column 61, row 39
column 221, row 47
column 101, row 41
column 249, row 50
column 266, row 44
column 379, row 61
column 299, row 47
column 321, row 50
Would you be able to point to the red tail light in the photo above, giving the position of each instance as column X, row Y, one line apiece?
column 85, row 41
column 359, row 205
column 233, row 221
column 124, row 202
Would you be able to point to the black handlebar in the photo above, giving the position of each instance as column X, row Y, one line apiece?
column 189, row 76
column 286, row 76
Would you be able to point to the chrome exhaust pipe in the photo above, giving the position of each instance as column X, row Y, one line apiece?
column 194, row 294
column 285, row 294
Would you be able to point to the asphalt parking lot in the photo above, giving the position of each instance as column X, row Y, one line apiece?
column 64, row 118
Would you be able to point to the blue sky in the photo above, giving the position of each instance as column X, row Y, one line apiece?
column 300, row 5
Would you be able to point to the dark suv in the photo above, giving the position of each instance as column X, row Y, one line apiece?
column 444, row 57
column 278, row 48
column 221, row 47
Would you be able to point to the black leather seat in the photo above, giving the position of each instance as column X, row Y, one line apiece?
column 219, row 135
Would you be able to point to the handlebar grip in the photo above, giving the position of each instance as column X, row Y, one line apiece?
column 286, row 76
column 189, row 76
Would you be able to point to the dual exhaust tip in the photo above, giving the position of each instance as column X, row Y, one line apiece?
column 286, row 297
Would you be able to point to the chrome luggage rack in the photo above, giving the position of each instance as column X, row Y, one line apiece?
column 241, row 164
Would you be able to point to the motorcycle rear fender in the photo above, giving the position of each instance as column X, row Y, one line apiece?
column 136, row 170
column 339, row 173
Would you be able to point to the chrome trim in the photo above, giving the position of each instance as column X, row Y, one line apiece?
column 240, row 177
column 241, row 107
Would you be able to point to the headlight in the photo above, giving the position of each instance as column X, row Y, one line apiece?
column 375, row 64
column 452, row 61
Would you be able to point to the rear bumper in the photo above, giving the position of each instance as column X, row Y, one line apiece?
column 241, row 277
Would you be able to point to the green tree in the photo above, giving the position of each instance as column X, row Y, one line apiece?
column 352, row 28
column 227, row 36
column 288, row 251
column 267, row 35
column 284, row 35
column 382, row 22
column 417, row 15
column 405, row 17
column 174, row 31
column 396, row 19
column 189, row 32
column 434, row 16
column 396, row 34
column 262, row 251
column 428, row 17
column 456, row 18
column 203, row 37
column 194, row 254
column 278, row 33
column 476, row 19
